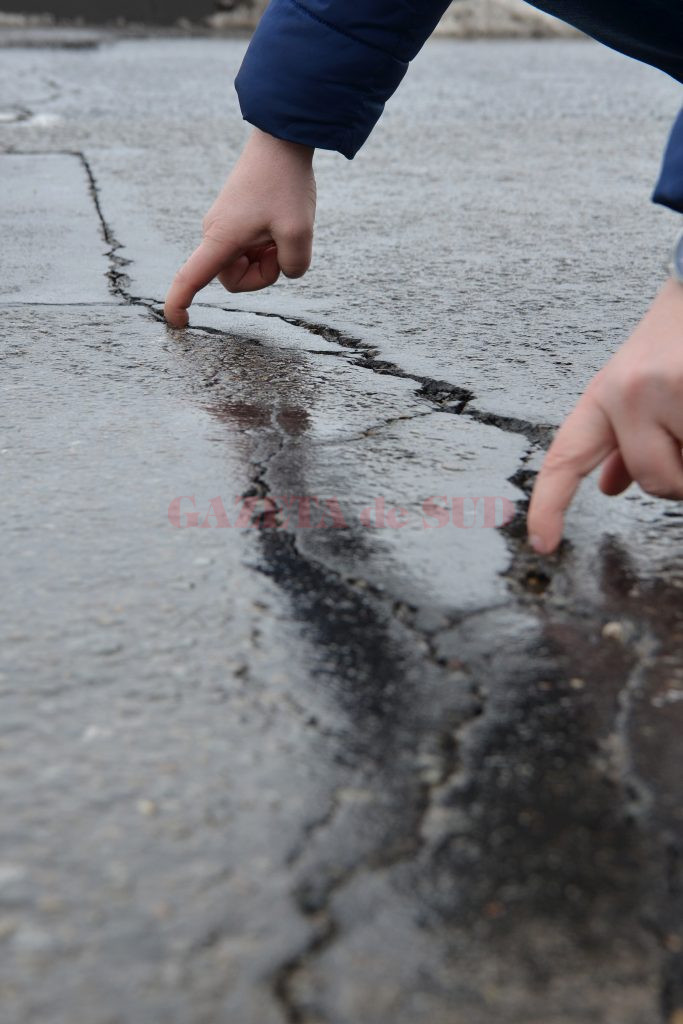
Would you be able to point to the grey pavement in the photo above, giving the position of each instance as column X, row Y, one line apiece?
column 306, row 767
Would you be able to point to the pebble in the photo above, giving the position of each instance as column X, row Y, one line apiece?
column 613, row 631
column 147, row 808
column 95, row 732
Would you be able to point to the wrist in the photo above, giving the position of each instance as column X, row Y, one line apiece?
column 271, row 146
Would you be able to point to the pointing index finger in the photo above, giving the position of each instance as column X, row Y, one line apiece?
column 584, row 440
column 203, row 266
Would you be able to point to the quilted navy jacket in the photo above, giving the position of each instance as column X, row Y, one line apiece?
column 320, row 71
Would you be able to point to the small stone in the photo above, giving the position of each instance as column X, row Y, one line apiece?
column 536, row 581
column 613, row 631
column 147, row 808
column 95, row 732
column 577, row 684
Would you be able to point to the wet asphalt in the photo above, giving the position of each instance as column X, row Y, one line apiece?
column 280, row 742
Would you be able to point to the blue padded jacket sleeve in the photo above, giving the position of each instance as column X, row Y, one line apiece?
column 319, row 72
column 669, row 188
column 648, row 30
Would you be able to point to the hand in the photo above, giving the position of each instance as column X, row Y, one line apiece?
column 630, row 420
column 261, row 224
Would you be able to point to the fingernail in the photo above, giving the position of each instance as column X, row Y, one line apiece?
column 539, row 545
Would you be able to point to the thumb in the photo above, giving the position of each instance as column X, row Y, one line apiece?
column 294, row 250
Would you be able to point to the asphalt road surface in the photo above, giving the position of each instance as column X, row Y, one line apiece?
column 291, row 730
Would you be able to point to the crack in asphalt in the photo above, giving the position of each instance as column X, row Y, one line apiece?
column 319, row 912
column 367, row 616
column 443, row 394
column 372, row 431
column 119, row 282
column 303, row 576
column 408, row 845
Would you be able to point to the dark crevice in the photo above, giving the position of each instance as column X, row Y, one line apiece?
column 445, row 396
column 119, row 282
column 354, row 627
column 315, row 903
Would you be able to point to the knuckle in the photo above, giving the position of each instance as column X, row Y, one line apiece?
column 641, row 383
column 651, row 478
column 596, row 388
column 294, row 233
column 657, row 486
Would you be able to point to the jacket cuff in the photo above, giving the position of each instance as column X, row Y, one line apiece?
column 669, row 188
column 304, row 81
